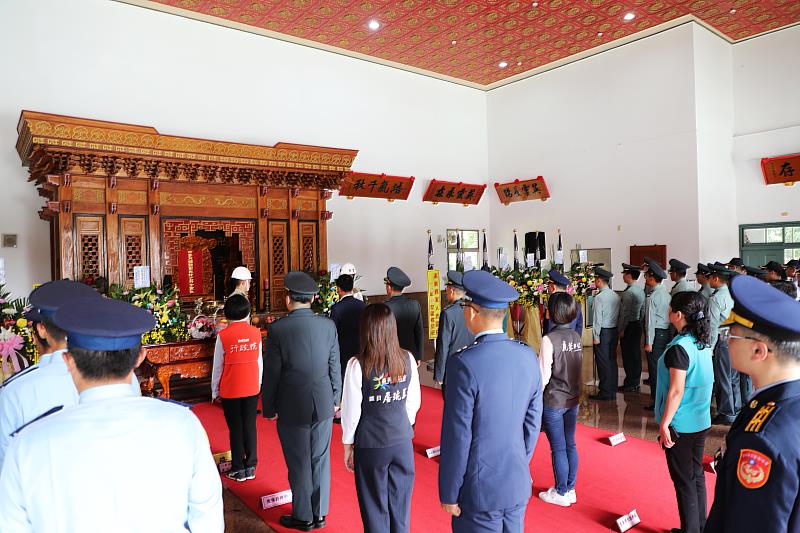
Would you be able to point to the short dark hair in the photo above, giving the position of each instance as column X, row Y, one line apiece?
column 681, row 272
column 301, row 298
column 785, row 286
column 100, row 364
column 345, row 282
column 562, row 308
column 634, row 274
column 655, row 276
column 395, row 288
column 55, row 332
column 236, row 307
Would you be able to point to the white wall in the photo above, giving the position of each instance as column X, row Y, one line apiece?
column 716, row 184
column 614, row 137
column 766, row 77
column 111, row 61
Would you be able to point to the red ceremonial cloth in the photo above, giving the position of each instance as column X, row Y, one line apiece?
column 612, row 481
column 190, row 272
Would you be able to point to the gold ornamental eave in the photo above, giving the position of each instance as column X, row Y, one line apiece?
column 59, row 133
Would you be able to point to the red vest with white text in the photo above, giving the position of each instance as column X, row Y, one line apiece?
column 240, row 342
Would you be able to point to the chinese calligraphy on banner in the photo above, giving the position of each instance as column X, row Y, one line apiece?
column 376, row 186
column 521, row 190
column 784, row 169
column 434, row 303
column 455, row 193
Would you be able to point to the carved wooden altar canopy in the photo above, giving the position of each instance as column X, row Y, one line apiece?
column 120, row 196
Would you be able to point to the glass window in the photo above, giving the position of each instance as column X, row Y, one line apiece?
column 774, row 234
column 470, row 247
column 791, row 253
column 792, row 234
column 755, row 235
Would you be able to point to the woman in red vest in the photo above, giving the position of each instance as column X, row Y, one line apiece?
column 236, row 379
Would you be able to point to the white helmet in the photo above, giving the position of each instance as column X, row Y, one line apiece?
column 241, row 273
column 348, row 268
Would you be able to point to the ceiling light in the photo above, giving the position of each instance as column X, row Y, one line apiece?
column 535, row 4
column 519, row 63
column 629, row 16
column 733, row 11
column 374, row 24
column 599, row 34
column 502, row 64
column 453, row 41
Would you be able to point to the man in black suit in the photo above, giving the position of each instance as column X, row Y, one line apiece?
column 453, row 332
column 406, row 311
column 346, row 314
column 302, row 388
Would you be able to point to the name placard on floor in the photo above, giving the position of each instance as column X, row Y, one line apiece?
column 223, row 461
column 274, row 500
column 433, row 452
column 616, row 439
column 624, row 523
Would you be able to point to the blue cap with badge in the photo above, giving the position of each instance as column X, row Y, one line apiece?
column 396, row 277
column 654, row 268
column 46, row 299
column 103, row 324
column 300, row 283
column 703, row 269
column 764, row 309
column 676, row 265
column 488, row 291
column 455, row 279
column 558, row 278
column 631, row 269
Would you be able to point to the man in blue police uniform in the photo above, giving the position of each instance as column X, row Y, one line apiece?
column 604, row 335
column 302, row 388
column 558, row 282
column 406, row 312
column 677, row 273
column 631, row 315
column 758, row 480
column 47, row 384
column 489, row 430
column 453, row 332
column 80, row 468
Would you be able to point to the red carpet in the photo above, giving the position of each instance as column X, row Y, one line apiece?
column 611, row 480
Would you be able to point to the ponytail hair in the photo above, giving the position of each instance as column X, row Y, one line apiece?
column 694, row 307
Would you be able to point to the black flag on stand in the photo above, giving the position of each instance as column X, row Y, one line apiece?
column 430, row 251
column 485, row 255
column 516, row 251
column 459, row 259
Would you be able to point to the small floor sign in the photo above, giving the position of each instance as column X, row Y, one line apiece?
column 274, row 500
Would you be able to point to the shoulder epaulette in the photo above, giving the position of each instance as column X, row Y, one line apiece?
column 176, row 402
column 20, row 374
column 521, row 342
column 467, row 347
column 761, row 417
column 46, row 413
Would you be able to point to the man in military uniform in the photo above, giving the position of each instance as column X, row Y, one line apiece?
column 453, row 332
column 302, row 388
column 758, row 481
column 726, row 380
column 76, row 468
column 775, row 271
column 484, row 473
column 656, row 317
column 631, row 315
column 47, row 384
column 702, row 274
column 407, row 313
column 677, row 273
column 604, row 335
column 558, row 282
column 736, row 264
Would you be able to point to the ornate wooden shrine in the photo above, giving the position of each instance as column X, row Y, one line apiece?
column 120, row 196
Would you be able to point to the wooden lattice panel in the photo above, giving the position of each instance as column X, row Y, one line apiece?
column 90, row 240
column 308, row 246
column 90, row 255
column 278, row 262
column 133, row 254
column 174, row 228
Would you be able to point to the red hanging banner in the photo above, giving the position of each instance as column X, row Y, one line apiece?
column 521, row 190
column 376, row 186
column 784, row 169
column 454, row 193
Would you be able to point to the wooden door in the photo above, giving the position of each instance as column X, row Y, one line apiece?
column 278, row 239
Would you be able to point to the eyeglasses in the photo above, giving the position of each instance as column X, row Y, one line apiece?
column 727, row 335
column 467, row 303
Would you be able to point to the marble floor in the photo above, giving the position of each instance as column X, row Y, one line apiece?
column 624, row 415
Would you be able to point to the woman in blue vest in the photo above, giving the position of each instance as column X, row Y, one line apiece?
column 683, row 405
column 380, row 400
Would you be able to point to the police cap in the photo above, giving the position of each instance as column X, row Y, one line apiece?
column 488, row 291
column 300, row 283
column 397, row 277
column 558, row 278
column 765, row 309
column 103, row 324
column 46, row 299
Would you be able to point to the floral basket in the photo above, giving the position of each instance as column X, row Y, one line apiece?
column 528, row 282
column 201, row 327
column 17, row 349
column 171, row 321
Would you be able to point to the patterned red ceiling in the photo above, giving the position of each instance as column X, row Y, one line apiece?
column 526, row 35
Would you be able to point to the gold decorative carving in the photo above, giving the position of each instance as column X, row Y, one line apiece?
column 207, row 200
column 94, row 196
column 132, row 197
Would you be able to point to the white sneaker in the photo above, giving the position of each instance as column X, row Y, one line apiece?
column 552, row 496
column 573, row 498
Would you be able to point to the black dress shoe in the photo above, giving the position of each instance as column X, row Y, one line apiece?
column 291, row 522
column 319, row 522
column 628, row 388
column 721, row 420
column 647, row 381
column 598, row 397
